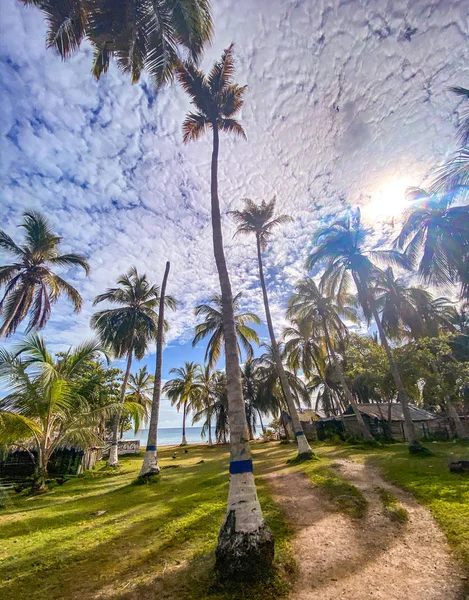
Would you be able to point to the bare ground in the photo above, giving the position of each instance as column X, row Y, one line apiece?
column 369, row 558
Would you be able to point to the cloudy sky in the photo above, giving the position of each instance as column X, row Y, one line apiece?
column 347, row 105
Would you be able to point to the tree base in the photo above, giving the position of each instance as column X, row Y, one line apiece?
column 243, row 556
column 416, row 447
column 303, row 457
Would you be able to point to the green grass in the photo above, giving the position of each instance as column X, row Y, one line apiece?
column 428, row 479
column 391, row 505
column 152, row 541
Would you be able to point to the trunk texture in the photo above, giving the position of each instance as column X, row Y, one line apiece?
column 245, row 544
column 210, row 442
column 150, row 461
column 453, row 415
column 348, row 394
column 113, row 459
column 184, row 413
column 304, row 449
column 260, row 420
column 403, row 397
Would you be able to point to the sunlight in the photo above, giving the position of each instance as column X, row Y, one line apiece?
column 387, row 202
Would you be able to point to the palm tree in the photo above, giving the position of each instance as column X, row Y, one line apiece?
column 213, row 326
column 150, row 461
column 259, row 220
column 43, row 407
column 182, row 391
column 340, row 245
column 245, row 544
column 30, row 283
column 309, row 303
column 139, row 387
column 435, row 236
column 204, row 404
column 128, row 329
column 141, row 35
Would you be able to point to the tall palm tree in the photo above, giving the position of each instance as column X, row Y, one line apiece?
column 43, row 407
column 139, row 34
column 259, row 219
column 213, row 326
column 308, row 302
column 150, row 461
column 139, row 386
column 435, row 238
column 30, row 283
column 245, row 544
column 341, row 247
column 183, row 391
column 128, row 329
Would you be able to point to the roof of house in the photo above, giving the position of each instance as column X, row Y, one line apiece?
column 308, row 414
column 380, row 410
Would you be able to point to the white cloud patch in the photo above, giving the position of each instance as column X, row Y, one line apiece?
column 342, row 96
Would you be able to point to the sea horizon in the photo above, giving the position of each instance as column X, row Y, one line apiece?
column 168, row 436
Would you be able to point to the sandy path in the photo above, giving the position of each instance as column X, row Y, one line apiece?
column 369, row 558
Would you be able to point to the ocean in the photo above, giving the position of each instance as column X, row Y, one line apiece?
column 169, row 436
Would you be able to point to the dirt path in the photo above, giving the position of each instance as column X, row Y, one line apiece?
column 369, row 558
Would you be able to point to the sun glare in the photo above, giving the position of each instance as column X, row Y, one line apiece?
column 387, row 202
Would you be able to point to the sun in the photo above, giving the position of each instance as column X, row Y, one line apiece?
column 388, row 201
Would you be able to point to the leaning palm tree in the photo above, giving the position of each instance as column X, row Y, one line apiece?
column 341, row 247
column 245, row 544
column 43, row 407
column 150, row 461
column 30, row 283
column 128, row 329
column 142, row 35
column 183, row 391
column 259, row 219
column 204, row 403
column 309, row 303
column 139, row 386
column 212, row 325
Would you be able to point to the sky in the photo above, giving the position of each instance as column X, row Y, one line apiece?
column 346, row 105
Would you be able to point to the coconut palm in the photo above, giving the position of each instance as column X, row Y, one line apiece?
column 212, row 326
column 183, row 391
column 30, row 283
column 308, row 302
column 150, row 461
column 128, row 329
column 206, row 383
column 341, row 247
column 139, row 387
column 435, row 239
column 43, row 408
column 140, row 35
column 260, row 220
column 245, row 544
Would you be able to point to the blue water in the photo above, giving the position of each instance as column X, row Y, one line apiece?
column 169, row 436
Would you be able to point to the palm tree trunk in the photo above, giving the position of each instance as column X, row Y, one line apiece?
column 245, row 543
column 209, row 424
column 403, row 397
column 452, row 412
column 184, row 414
column 150, row 461
column 304, row 449
column 8, row 321
column 113, row 459
column 348, row 394
column 260, row 419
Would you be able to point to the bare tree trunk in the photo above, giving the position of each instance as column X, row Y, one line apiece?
column 260, row 420
column 453, row 415
column 113, row 459
column 304, row 449
column 403, row 397
column 348, row 394
column 150, row 461
column 210, row 442
column 245, row 544
column 184, row 414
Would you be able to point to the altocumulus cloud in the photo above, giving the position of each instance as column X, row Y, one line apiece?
column 341, row 97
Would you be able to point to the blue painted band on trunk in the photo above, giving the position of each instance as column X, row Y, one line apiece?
column 241, row 466
column 150, row 449
column 298, row 433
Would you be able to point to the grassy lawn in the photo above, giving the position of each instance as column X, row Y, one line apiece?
column 428, row 479
column 103, row 536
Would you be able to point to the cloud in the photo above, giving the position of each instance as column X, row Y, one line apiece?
column 341, row 97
